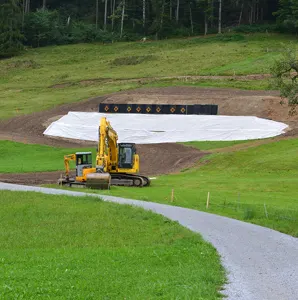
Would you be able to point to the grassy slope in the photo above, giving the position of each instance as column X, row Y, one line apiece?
column 240, row 182
column 22, row 158
column 66, row 247
column 25, row 81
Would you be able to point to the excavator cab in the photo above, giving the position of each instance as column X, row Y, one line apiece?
column 127, row 152
column 83, row 161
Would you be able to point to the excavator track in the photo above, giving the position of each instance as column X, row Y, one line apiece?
column 122, row 179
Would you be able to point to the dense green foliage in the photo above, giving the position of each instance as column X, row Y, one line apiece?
column 51, row 22
column 10, row 28
column 288, row 15
column 60, row 247
column 284, row 75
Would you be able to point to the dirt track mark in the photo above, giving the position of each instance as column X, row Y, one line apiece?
column 87, row 82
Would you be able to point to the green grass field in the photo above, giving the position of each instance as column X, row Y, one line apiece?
column 26, row 81
column 60, row 247
column 23, row 158
column 240, row 182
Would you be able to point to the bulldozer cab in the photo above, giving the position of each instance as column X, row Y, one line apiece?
column 83, row 161
column 126, row 155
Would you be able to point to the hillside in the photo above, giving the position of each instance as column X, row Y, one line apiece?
column 45, row 77
column 240, row 178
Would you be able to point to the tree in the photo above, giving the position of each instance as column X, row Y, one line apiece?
column 10, row 28
column 287, row 14
column 284, row 76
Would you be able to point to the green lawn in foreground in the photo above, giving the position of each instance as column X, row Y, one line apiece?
column 26, row 81
column 61, row 247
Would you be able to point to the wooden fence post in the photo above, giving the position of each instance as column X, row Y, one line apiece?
column 266, row 213
column 172, row 196
column 208, row 197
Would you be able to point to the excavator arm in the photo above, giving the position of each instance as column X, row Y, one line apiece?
column 107, row 154
column 67, row 158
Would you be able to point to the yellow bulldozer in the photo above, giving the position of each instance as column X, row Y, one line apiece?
column 116, row 164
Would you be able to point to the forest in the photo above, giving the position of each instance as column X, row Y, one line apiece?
column 37, row 23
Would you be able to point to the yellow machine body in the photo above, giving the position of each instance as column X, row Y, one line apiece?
column 116, row 164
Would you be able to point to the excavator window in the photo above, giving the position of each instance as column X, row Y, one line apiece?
column 84, row 159
column 126, row 155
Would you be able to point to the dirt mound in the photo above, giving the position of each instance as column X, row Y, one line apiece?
column 264, row 104
column 157, row 158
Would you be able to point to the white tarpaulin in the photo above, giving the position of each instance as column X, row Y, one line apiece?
column 150, row 129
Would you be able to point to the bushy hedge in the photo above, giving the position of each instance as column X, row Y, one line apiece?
column 255, row 28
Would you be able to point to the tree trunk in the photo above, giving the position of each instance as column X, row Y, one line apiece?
column 212, row 13
column 241, row 12
column 96, row 18
column 122, row 18
column 144, row 13
column 105, row 17
column 113, row 13
column 219, row 16
column 44, row 4
column 171, row 9
column 250, row 16
column 24, row 11
column 177, row 11
column 27, row 6
column 206, row 24
column 162, row 13
column 190, row 18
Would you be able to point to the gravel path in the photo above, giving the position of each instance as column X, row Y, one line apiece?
column 261, row 263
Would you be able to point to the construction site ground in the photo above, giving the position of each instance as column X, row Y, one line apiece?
column 156, row 159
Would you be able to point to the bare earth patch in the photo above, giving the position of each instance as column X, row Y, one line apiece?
column 156, row 158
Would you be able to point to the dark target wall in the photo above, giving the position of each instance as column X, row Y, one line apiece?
column 196, row 109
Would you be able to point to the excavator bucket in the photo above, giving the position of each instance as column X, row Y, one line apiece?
column 99, row 181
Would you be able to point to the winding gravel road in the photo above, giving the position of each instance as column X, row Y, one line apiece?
column 262, row 264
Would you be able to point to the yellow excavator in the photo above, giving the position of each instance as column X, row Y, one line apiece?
column 116, row 164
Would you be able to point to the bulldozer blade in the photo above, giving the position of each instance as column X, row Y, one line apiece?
column 99, row 181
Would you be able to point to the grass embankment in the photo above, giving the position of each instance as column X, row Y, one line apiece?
column 258, row 185
column 23, row 158
column 85, row 70
column 240, row 182
column 81, row 248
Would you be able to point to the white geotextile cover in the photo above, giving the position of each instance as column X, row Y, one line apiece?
column 150, row 129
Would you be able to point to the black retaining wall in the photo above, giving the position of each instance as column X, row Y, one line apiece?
column 196, row 109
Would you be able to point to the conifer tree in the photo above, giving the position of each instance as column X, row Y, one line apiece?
column 10, row 28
